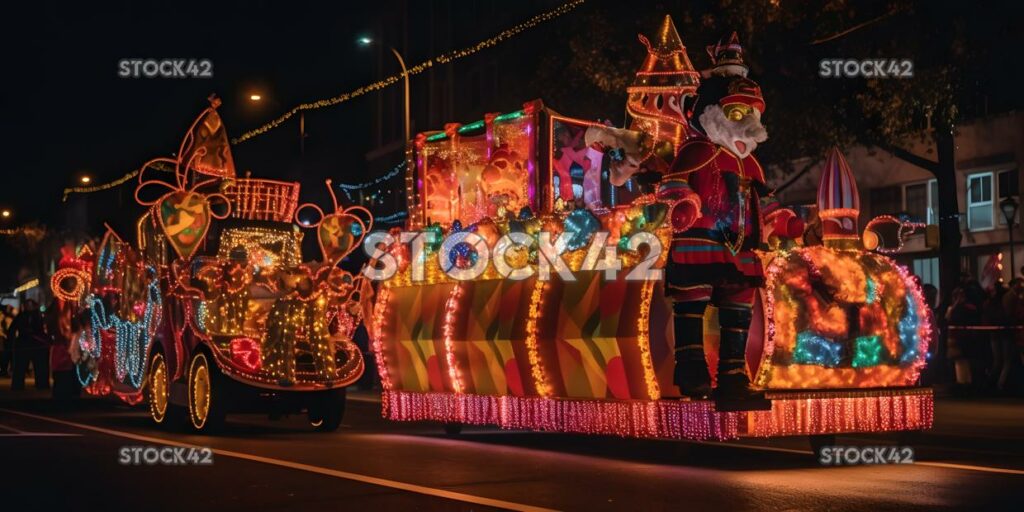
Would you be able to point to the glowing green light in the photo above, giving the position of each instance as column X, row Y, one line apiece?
column 867, row 351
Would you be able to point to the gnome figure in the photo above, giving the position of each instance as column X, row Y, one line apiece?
column 715, row 187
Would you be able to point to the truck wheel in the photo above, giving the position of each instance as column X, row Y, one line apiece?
column 326, row 410
column 159, row 389
column 205, row 404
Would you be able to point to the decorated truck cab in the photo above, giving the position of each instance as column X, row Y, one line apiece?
column 487, row 320
column 213, row 310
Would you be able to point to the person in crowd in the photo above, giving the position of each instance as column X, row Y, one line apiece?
column 1013, row 313
column 963, row 311
column 61, row 328
column 6, row 317
column 993, row 315
column 30, row 346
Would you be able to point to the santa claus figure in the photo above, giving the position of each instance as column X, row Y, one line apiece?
column 715, row 187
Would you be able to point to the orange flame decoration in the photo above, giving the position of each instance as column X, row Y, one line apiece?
column 184, row 213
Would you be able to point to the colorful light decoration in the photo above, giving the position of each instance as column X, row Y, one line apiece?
column 810, row 335
column 644, row 341
column 266, row 317
column 132, row 338
column 246, row 353
column 874, row 240
column 791, row 414
column 540, row 376
column 448, row 331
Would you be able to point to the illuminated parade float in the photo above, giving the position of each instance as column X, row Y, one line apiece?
column 684, row 309
column 212, row 310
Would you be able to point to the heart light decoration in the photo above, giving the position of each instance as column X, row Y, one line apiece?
column 338, row 233
column 184, row 213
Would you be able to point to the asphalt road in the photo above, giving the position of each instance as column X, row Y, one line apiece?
column 68, row 458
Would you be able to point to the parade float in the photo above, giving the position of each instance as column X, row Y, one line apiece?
column 212, row 309
column 838, row 334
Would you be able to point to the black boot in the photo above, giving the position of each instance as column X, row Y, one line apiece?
column 734, row 392
column 691, row 370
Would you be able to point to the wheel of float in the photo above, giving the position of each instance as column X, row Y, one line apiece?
column 158, row 390
column 452, row 429
column 205, row 406
column 327, row 409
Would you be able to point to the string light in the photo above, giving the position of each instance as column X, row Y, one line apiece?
column 380, row 314
column 811, row 413
column 414, row 70
column 670, row 419
column 132, row 338
column 540, row 378
column 26, row 286
column 160, row 166
column 79, row 281
column 378, row 85
column 644, row 341
column 395, row 171
column 448, row 329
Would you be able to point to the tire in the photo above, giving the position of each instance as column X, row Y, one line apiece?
column 327, row 409
column 205, row 402
column 158, row 389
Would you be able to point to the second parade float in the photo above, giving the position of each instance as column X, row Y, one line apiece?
column 565, row 275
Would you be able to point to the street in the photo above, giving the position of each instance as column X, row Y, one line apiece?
column 973, row 458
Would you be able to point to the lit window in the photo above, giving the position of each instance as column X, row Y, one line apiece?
column 979, row 202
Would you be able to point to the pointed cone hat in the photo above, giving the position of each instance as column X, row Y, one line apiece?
column 667, row 64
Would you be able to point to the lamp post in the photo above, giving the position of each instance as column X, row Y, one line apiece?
column 366, row 41
column 1009, row 208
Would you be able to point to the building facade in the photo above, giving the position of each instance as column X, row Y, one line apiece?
column 988, row 152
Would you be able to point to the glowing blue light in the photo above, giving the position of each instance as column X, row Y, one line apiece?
column 131, row 339
column 908, row 329
column 815, row 349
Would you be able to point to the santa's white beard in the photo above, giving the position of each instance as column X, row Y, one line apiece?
column 726, row 133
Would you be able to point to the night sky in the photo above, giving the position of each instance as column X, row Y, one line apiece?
column 67, row 113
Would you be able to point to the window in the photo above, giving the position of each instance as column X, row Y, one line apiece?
column 928, row 270
column 886, row 200
column 921, row 201
column 1009, row 187
column 979, row 202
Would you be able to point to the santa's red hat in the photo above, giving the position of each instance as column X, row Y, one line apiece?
column 744, row 91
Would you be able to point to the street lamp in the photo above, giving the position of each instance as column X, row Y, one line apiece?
column 5, row 213
column 1009, row 208
column 85, row 180
column 367, row 41
column 258, row 98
